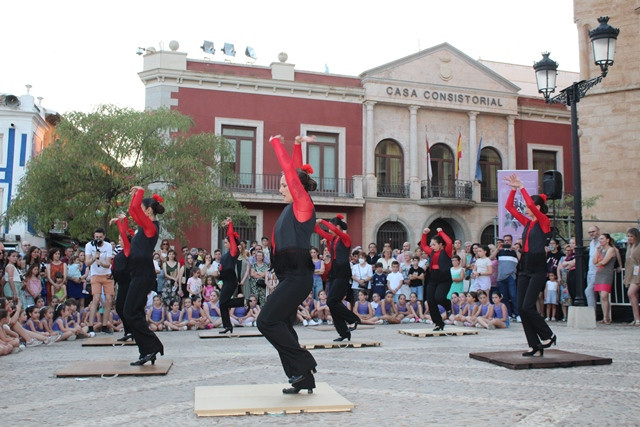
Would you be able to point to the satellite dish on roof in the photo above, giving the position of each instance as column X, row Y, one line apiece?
column 11, row 101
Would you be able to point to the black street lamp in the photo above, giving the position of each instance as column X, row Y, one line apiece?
column 603, row 40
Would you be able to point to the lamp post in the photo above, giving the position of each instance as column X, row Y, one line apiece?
column 603, row 40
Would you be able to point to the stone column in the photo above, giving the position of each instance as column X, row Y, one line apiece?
column 472, row 152
column 414, row 181
column 510, row 163
column 371, row 189
column 472, row 156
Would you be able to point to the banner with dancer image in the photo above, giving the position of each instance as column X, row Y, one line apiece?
column 507, row 224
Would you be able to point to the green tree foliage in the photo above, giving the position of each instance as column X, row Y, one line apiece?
column 84, row 177
column 564, row 214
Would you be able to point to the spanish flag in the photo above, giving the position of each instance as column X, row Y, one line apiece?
column 458, row 153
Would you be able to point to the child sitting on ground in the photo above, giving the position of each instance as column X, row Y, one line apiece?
column 363, row 309
column 499, row 317
column 389, row 309
column 322, row 312
column 486, row 311
column 155, row 315
column 174, row 321
column 415, row 308
column 213, row 308
column 197, row 317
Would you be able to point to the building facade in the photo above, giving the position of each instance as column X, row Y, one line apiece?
column 375, row 133
column 610, row 129
column 25, row 129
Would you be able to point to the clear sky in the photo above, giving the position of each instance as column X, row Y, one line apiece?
column 78, row 54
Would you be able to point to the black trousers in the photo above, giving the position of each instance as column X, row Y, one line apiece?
column 437, row 294
column 530, row 284
column 340, row 314
column 228, row 289
column 276, row 321
column 123, row 289
column 134, row 314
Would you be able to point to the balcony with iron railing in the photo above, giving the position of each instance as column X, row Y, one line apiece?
column 253, row 187
column 451, row 193
column 400, row 191
column 489, row 194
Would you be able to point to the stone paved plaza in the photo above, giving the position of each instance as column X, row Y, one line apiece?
column 406, row 382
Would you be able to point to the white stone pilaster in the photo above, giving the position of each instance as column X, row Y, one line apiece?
column 369, row 152
column 510, row 163
column 472, row 152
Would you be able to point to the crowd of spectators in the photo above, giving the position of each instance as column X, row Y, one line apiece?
column 46, row 293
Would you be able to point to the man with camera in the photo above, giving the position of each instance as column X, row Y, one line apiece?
column 98, row 256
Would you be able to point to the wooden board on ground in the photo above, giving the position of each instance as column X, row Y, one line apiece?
column 551, row 359
column 105, row 341
column 431, row 333
column 261, row 399
column 310, row 345
column 92, row 368
column 236, row 334
column 331, row 328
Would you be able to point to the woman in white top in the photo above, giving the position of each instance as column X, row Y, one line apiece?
column 386, row 260
column 209, row 268
column 482, row 269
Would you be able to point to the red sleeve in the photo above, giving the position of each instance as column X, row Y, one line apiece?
column 323, row 234
column 346, row 240
column 512, row 209
column 297, row 155
column 135, row 210
column 448, row 243
column 302, row 204
column 425, row 247
column 123, row 227
column 233, row 246
column 544, row 221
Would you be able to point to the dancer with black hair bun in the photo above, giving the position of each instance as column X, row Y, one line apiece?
column 291, row 260
column 229, row 276
column 339, row 244
column 122, row 271
column 532, row 267
column 143, row 273
column 440, row 251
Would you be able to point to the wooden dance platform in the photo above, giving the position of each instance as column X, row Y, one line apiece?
column 261, row 399
column 326, row 328
column 447, row 332
column 92, row 368
column 310, row 345
column 105, row 341
column 236, row 334
column 551, row 359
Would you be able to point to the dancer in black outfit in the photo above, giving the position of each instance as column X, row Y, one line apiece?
column 291, row 260
column 229, row 277
column 122, row 271
column 440, row 249
column 339, row 244
column 532, row 268
column 143, row 273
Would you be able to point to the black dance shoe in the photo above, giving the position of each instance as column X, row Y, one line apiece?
column 552, row 341
column 151, row 357
column 355, row 325
column 534, row 351
column 339, row 339
column 439, row 328
column 125, row 338
column 295, row 390
column 229, row 329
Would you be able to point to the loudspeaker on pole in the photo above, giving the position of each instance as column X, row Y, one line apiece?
column 552, row 184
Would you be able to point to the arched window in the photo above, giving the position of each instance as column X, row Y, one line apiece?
column 391, row 232
column 446, row 227
column 488, row 236
column 389, row 169
column 490, row 163
column 442, row 166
